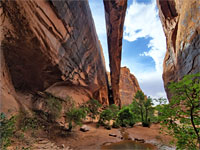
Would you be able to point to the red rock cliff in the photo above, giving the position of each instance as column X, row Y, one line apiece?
column 54, row 45
column 115, row 11
column 128, row 86
column 181, row 24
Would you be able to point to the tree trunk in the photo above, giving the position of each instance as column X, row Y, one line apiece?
column 70, row 126
column 192, row 121
column 142, row 115
column 146, row 115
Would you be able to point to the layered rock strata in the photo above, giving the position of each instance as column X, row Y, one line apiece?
column 128, row 86
column 115, row 11
column 54, row 45
column 181, row 24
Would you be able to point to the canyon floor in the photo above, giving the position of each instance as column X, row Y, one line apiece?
column 95, row 138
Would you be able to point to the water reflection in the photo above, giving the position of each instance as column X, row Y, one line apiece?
column 128, row 145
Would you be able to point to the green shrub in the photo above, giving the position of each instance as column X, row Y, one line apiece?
column 7, row 128
column 116, row 124
column 105, row 117
column 28, row 122
column 54, row 106
column 74, row 117
column 92, row 108
column 108, row 114
column 115, row 110
column 125, row 117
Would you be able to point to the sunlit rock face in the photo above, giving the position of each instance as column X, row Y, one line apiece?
column 181, row 24
column 54, row 45
column 128, row 86
column 115, row 11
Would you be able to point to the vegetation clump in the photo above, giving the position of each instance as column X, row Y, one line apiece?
column 74, row 117
column 125, row 117
column 143, row 106
column 181, row 115
column 54, row 106
column 28, row 122
column 7, row 129
column 92, row 107
column 110, row 113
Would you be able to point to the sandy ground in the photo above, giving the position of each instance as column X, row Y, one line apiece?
column 97, row 137
column 56, row 139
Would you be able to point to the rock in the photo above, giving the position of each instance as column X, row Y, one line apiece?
column 112, row 134
column 57, row 49
column 180, row 21
column 108, row 127
column 129, row 138
column 62, row 146
column 140, row 140
column 128, row 86
column 115, row 13
column 84, row 128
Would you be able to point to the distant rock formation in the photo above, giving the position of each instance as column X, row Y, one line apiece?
column 181, row 24
column 115, row 11
column 128, row 86
column 53, row 46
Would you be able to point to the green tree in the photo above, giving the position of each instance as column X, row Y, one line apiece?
column 125, row 117
column 74, row 116
column 147, row 107
column 142, row 105
column 161, row 104
column 181, row 115
column 108, row 114
column 139, row 102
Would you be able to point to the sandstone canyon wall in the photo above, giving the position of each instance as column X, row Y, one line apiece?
column 181, row 24
column 115, row 11
column 53, row 46
column 128, row 86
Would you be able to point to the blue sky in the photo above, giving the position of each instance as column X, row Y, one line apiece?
column 144, row 43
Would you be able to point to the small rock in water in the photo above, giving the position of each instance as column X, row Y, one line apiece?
column 114, row 135
column 85, row 128
column 140, row 140
column 129, row 138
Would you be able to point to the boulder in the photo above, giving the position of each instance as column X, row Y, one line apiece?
column 85, row 128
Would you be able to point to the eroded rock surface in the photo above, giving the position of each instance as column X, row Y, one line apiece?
column 115, row 11
column 128, row 86
column 181, row 24
column 49, row 42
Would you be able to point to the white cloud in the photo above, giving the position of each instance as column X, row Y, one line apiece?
column 142, row 21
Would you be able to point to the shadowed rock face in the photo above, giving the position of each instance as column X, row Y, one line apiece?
column 181, row 24
column 53, row 44
column 115, row 11
column 128, row 86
